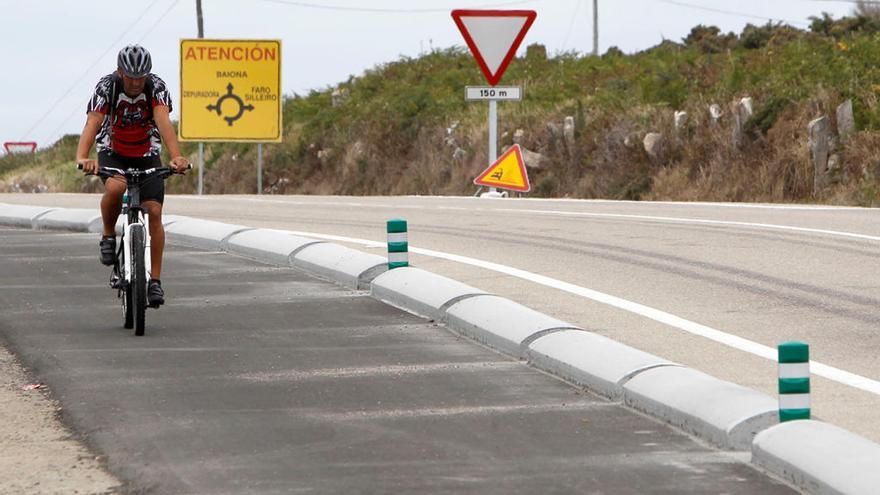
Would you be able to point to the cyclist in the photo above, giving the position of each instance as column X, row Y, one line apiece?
column 128, row 121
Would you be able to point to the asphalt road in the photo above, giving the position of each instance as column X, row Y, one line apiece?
column 257, row 379
column 765, row 273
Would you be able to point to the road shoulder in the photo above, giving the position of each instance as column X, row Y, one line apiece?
column 39, row 454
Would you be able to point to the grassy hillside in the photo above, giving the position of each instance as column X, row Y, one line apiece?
column 404, row 127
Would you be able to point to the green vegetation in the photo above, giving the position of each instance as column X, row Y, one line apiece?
column 404, row 127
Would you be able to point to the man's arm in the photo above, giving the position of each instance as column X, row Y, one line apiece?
column 90, row 130
column 169, row 137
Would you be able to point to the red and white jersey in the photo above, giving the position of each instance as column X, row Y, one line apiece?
column 134, row 130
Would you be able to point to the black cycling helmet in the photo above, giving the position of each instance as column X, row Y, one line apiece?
column 134, row 61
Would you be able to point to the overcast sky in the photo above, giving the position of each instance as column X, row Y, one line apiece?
column 53, row 51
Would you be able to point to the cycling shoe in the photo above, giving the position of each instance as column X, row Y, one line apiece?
column 155, row 294
column 108, row 250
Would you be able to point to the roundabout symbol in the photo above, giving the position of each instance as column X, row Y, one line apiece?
column 241, row 106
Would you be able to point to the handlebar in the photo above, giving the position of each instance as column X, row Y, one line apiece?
column 111, row 171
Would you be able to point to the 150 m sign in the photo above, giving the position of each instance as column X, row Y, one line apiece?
column 498, row 93
column 230, row 90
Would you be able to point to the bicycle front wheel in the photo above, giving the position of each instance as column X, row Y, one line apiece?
column 138, row 287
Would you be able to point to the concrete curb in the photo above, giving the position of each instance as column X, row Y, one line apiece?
column 21, row 215
column 169, row 219
column 585, row 358
column 203, row 234
column 819, row 458
column 419, row 292
column 265, row 245
column 723, row 413
column 501, row 323
column 348, row 267
column 77, row 220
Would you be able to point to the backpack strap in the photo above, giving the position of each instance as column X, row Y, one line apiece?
column 115, row 88
column 148, row 90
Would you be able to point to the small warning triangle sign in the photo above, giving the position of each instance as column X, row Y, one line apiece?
column 493, row 37
column 508, row 172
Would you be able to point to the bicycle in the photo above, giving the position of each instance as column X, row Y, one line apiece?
column 131, row 268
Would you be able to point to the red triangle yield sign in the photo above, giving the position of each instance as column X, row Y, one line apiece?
column 493, row 37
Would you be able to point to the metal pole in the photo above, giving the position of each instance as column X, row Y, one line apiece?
column 595, row 28
column 201, row 26
column 259, row 168
column 201, row 167
column 199, row 18
column 493, row 134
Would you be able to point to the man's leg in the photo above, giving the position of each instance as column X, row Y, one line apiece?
column 111, row 203
column 155, row 294
column 157, row 237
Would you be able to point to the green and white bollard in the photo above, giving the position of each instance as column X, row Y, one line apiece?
column 398, row 247
column 794, row 381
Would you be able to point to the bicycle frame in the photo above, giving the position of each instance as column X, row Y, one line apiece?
column 135, row 218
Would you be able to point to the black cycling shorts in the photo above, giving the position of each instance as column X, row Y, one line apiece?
column 153, row 189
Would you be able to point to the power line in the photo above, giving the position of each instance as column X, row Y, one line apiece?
column 88, row 71
column 147, row 33
column 577, row 8
column 159, row 20
column 374, row 10
column 730, row 12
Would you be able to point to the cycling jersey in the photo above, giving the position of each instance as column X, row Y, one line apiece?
column 134, row 131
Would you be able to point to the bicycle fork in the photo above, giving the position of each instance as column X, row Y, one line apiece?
column 127, row 269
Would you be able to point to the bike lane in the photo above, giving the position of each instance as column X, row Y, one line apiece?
column 258, row 379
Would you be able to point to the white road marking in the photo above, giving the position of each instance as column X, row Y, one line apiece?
column 563, row 213
column 736, row 342
column 764, row 206
column 771, row 226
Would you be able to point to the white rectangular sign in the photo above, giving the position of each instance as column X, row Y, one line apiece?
column 485, row 93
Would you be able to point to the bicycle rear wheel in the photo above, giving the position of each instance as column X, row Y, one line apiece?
column 138, row 287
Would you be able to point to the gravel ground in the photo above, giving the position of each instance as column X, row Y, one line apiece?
column 38, row 454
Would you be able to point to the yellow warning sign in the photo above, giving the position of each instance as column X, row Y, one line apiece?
column 508, row 172
column 230, row 90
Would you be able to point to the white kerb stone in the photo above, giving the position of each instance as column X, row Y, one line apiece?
column 819, row 458
column 270, row 246
column 349, row 267
column 500, row 323
column 76, row 219
column 203, row 234
column 721, row 412
column 590, row 360
column 420, row 292
column 21, row 215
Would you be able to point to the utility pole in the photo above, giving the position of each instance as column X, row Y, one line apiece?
column 201, row 164
column 595, row 28
column 199, row 19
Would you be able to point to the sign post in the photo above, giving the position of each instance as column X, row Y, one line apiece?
column 493, row 37
column 259, row 168
column 230, row 91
